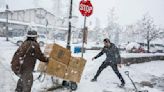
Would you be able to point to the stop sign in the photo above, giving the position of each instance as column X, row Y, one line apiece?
column 86, row 8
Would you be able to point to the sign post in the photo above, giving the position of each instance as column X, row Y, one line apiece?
column 86, row 9
column 69, row 25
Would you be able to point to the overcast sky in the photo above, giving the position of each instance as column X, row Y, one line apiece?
column 127, row 11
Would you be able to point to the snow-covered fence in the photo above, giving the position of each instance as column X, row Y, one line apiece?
column 140, row 59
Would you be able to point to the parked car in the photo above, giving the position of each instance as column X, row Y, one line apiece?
column 42, row 39
column 134, row 47
column 154, row 48
column 159, row 48
column 122, row 46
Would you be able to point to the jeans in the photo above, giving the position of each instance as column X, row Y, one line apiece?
column 113, row 66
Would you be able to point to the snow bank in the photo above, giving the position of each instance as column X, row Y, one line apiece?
column 132, row 55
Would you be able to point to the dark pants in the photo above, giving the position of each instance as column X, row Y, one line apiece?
column 25, row 82
column 114, row 67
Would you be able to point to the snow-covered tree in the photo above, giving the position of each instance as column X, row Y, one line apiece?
column 113, row 28
column 131, row 34
column 97, row 30
column 148, row 30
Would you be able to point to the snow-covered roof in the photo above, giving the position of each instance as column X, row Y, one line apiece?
column 13, row 21
column 25, row 9
column 34, row 24
column 25, row 23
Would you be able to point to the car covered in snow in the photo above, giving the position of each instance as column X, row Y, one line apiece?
column 122, row 46
column 134, row 47
column 42, row 39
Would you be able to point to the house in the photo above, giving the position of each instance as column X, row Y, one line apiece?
column 20, row 20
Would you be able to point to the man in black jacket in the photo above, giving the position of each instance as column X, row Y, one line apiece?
column 113, row 59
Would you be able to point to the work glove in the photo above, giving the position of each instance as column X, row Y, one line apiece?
column 119, row 65
column 93, row 58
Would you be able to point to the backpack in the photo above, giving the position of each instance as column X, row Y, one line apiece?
column 17, row 60
column 15, row 64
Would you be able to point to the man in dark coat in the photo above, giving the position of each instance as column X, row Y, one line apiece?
column 27, row 54
column 113, row 59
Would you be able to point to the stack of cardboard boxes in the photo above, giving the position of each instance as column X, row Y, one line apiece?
column 62, row 64
column 43, row 66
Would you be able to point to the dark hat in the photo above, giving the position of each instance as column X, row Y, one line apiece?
column 32, row 34
column 106, row 40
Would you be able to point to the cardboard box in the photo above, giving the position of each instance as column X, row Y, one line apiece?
column 56, row 68
column 42, row 67
column 61, row 54
column 48, row 49
column 73, row 74
column 77, row 62
column 62, row 65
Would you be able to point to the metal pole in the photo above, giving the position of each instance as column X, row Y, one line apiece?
column 7, row 22
column 127, row 73
column 69, row 30
column 83, row 37
column 46, row 27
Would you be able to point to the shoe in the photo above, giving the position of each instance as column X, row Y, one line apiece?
column 122, row 85
column 93, row 80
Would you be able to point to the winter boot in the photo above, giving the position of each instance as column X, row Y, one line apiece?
column 94, row 80
column 122, row 85
column 122, row 82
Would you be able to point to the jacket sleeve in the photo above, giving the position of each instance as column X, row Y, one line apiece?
column 117, row 56
column 100, row 54
column 38, row 53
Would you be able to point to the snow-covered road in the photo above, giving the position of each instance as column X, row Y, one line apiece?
column 106, row 81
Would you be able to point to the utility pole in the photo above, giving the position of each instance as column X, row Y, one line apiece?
column 84, row 30
column 69, row 29
column 7, row 11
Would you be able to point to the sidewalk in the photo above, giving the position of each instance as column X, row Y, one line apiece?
column 7, row 81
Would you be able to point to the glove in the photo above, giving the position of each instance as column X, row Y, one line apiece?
column 47, row 60
column 93, row 58
column 119, row 65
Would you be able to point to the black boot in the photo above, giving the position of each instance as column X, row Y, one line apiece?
column 94, row 80
column 122, row 83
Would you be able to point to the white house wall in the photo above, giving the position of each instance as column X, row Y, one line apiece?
column 30, row 15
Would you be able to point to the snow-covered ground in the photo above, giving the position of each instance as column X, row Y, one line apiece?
column 106, row 81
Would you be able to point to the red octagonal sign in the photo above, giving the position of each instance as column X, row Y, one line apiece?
column 86, row 8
